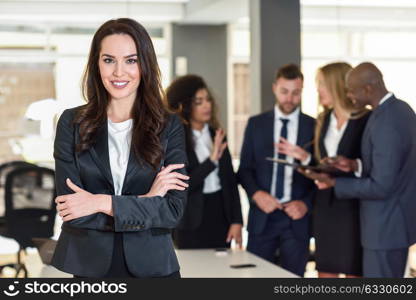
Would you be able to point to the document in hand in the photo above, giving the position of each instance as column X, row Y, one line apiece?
column 322, row 168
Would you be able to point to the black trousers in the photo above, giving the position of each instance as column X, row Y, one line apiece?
column 279, row 235
column 118, row 267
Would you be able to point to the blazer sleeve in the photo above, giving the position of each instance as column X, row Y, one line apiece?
column 387, row 154
column 234, row 196
column 132, row 213
column 308, row 199
column 246, row 171
column 66, row 167
column 199, row 173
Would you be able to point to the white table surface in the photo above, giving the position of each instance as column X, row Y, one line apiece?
column 204, row 263
column 209, row 263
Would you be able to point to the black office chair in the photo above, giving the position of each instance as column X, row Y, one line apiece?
column 30, row 209
column 5, row 168
column 8, row 166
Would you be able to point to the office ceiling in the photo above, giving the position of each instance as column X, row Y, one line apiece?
column 90, row 13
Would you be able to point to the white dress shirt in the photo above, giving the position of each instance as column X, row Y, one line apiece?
column 203, row 148
column 333, row 136
column 292, row 134
column 119, row 141
column 359, row 171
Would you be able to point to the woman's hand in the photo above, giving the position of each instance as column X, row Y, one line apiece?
column 322, row 180
column 219, row 145
column 234, row 233
column 81, row 203
column 284, row 147
column 167, row 180
column 342, row 163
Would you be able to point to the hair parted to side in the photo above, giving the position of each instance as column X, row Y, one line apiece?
column 180, row 96
column 148, row 112
column 334, row 76
column 289, row 71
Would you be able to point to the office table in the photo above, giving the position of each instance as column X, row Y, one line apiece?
column 204, row 263
column 208, row 263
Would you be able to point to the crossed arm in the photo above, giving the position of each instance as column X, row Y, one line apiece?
column 161, row 207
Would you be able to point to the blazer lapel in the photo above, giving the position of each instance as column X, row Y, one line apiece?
column 132, row 167
column 100, row 155
column 346, row 137
column 192, row 157
column 268, row 131
column 324, row 130
column 135, row 164
column 374, row 114
column 302, row 138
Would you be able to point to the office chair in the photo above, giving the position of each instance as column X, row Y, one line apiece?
column 30, row 209
column 5, row 168
column 8, row 166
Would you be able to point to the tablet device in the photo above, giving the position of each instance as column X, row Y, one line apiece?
column 319, row 168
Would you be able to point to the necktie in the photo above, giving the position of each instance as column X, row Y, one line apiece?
column 280, row 167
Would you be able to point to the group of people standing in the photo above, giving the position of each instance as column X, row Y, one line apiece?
column 360, row 219
column 130, row 169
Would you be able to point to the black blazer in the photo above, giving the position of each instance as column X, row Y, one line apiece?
column 350, row 147
column 198, row 172
column 85, row 245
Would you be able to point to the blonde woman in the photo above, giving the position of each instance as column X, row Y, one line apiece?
column 339, row 129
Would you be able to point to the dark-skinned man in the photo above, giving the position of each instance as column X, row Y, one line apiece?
column 385, row 179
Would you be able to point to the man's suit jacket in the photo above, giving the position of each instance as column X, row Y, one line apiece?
column 387, row 187
column 85, row 245
column 198, row 172
column 255, row 172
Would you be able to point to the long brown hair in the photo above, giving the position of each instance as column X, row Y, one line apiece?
column 148, row 112
column 334, row 75
column 180, row 96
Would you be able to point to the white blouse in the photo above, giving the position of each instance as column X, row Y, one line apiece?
column 203, row 148
column 333, row 136
column 119, row 141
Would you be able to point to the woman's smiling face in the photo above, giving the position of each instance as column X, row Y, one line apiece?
column 119, row 68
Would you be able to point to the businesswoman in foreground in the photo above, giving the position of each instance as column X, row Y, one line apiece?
column 212, row 216
column 119, row 163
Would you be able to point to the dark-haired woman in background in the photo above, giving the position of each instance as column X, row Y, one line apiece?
column 212, row 216
column 119, row 164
